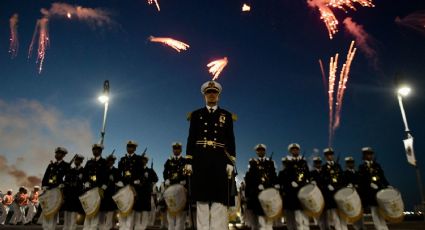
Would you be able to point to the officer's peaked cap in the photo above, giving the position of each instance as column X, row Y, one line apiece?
column 211, row 85
column 293, row 145
column 260, row 146
column 328, row 150
column 367, row 150
column 97, row 146
column 61, row 150
column 131, row 143
column 349, row 159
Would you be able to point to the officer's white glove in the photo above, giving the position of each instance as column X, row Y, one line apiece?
column 314, row 182
column 350, row 185
column 261, row 187
column 167, row 182
column 229, row 170
column 294, row 184
column 188, row 168
column 87, row 185
column 104, row 187
column 373, row 185
column 331, row 188
column 119, row 184
column 80, row 176
column 276, row 186
column 183, row 182
column 137, row 182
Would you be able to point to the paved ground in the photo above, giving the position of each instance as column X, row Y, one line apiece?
column 408, row 225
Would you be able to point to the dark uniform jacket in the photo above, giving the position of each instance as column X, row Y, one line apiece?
column 173, row 169
column 144, row 190
column 316, row 176
column 113, row 176
column 261, row 172
column 95, row 173
column 296, row 170
column 332, row 175
column 210, row 147
column 54, row 175
column 73, row 190
column 351, row 177
column 371, row 173
column 130, row 168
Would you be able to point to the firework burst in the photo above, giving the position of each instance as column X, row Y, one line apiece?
column 150, row 2
column 42, row 29
column 14, row 41
column 335, row 107
column 217, row 66
column 177, row 45
column 415, row 21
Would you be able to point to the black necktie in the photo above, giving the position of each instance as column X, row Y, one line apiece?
column 211, row 110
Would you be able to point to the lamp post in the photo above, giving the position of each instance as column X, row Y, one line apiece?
column 104, row 99
column 404, row 91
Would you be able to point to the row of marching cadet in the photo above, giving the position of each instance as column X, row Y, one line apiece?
column 331, row 196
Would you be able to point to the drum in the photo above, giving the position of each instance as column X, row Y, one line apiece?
column 90, row 201
column 124, row 199
column 390, row 204
column 349, row 204
column 175, row 198
column 271, row 202
column 311, row 200
column 51, row 201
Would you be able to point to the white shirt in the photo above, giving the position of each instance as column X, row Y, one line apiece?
column 177, row 157
column 130, row 155
column 97, row 158
column 214, row 108
column 330, row 162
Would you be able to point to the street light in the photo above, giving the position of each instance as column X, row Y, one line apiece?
column 104, row 99
column 404, row 91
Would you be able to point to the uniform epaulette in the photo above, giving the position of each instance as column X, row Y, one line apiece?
column 234, row 117
column 189, row 116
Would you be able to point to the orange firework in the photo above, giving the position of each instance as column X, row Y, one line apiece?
column 41, row 28
column 328, row 16
column 177, row 45
column 329, row 19
column 217, row 66
column 14, row 42
column 336, row 107
column 246, row 7
column 342, row 4
column 343, row 78
column 333, row 65
column 150, row 2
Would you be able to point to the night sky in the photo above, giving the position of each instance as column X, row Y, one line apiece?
column 272, row 82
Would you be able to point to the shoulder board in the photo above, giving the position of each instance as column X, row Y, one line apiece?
column 234, row 117
column 189, row 116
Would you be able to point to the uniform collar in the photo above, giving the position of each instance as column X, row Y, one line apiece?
column 368, row 162
column 97, row 158
column 58, row 162
column 214, row 108
column 129, row 155
column 176, row 157
column 262, row 158
column 330, row 162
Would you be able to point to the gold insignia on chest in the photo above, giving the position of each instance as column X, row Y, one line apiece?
column 127, row 173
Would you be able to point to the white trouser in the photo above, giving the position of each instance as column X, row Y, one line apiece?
column 32, row 210
column 17, row 213
column 4, row 211
column 321, row 221
column 164, row 220
column 211, row 218
column 176, row 222
column 378, row 221
column 50, row 223
column 297, row 220
column 264, row 223
column 141, row 220
column 70, row 220
column 335, row 220
column 359, row 225
column 91, row 223
column 106, row 220
column 127, row 222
